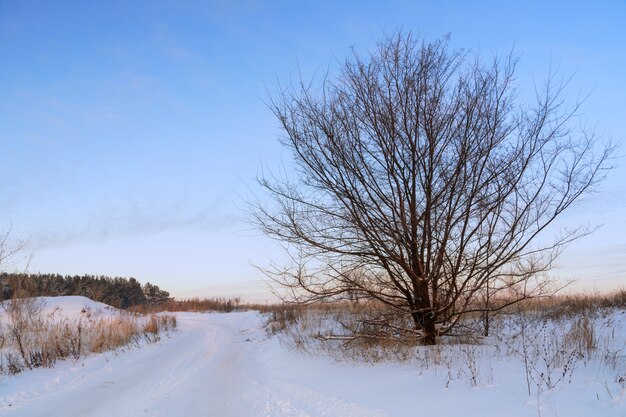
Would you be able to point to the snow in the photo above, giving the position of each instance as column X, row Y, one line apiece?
column 72, row 307
column 223, row 365
column 75, row 306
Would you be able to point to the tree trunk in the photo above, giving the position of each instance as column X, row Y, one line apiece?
column 430, row 332
column 425, row 322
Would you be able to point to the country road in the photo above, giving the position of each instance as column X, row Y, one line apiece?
column 211, row 366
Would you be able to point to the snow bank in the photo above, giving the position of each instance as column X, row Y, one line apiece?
column 76, row 306
column 70, row 306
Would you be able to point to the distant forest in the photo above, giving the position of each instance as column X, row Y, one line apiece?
column 117, row 292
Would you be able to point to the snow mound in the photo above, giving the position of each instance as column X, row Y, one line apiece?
column 76, row 306
column 73, row 307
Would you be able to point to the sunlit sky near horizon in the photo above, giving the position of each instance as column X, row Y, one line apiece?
column 131, row 132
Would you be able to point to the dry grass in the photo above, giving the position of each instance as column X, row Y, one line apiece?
column 28, row 339
column 157, row 323
column 569, row 305
column 225, row 305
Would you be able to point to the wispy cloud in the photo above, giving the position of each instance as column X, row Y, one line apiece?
column 129, row 221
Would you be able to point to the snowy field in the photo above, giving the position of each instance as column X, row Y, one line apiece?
column 226, row 365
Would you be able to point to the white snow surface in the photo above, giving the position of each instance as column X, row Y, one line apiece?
column 224, row 365
column 72, row 307
column 75, row 306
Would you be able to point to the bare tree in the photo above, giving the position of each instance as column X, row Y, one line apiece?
column 9, row 249
column 423, row 184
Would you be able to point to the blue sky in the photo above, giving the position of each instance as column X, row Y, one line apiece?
column 129, row 131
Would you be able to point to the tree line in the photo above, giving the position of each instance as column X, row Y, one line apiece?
column 115, row 291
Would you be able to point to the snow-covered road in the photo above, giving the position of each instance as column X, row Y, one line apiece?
column 199, row 371
column 210, row 367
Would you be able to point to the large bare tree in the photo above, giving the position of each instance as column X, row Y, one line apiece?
column 424, row 183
